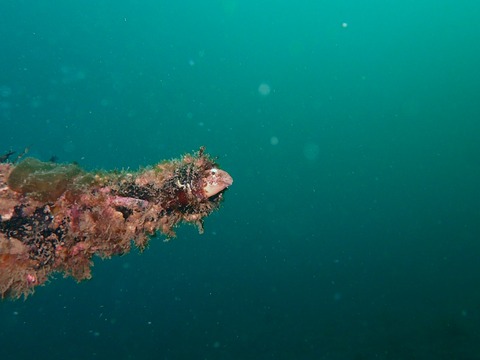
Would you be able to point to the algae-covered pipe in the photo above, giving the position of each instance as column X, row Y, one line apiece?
column 56, row 217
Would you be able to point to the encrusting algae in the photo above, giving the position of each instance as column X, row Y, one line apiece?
column 56, row 217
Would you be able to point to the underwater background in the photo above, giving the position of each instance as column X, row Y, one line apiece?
column 352, row 132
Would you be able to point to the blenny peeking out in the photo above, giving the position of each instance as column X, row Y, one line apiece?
column 56, row 217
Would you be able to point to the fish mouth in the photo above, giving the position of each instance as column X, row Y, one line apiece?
column 216, row 181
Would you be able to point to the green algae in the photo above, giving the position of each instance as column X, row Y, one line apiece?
column 45, row 181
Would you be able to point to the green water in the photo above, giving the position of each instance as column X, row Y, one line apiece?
column 351, row 129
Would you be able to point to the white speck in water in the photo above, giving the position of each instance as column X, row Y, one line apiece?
column 94, row 333
column 264, row 89
column 274, row 140
column 311, row 151
column 69, row 146
column 5, row 91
